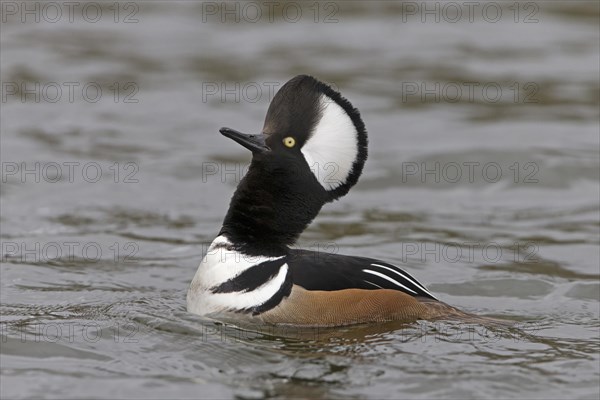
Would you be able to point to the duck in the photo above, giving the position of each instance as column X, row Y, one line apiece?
column 311, row 151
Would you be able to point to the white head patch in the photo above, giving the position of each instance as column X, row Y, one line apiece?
column 332, row 147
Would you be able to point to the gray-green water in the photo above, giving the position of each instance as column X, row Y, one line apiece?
column 482, row 181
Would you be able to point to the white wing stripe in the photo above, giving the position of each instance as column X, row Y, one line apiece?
column 387, row 278
column 417, row 284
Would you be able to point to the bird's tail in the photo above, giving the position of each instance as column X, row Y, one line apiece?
column 442, row 311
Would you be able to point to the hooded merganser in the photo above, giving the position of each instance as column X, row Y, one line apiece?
column 311, row 151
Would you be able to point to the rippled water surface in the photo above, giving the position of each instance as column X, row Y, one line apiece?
column 482, row 181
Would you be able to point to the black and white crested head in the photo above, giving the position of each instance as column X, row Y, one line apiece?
column 325, row 127
column 311, row 151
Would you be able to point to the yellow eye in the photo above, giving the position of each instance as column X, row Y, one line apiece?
column 289, row 141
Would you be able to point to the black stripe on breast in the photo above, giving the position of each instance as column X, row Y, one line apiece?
column 282, row 293
column 251, row 278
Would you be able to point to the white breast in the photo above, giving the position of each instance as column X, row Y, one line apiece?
column 221, row 264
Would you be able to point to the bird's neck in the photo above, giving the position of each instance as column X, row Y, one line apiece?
column 269, row 210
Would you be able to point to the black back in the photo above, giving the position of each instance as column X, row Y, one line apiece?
column 325, row 271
